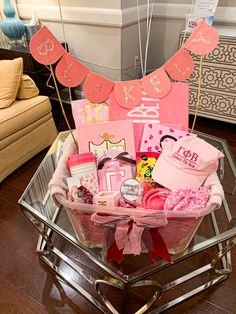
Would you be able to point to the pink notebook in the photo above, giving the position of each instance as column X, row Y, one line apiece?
column 98, row 138
column 154, row 134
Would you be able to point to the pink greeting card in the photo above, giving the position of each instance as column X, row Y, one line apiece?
column 98, row 138
column 154, row 134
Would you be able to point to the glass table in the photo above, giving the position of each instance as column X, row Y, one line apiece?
column 206, row 261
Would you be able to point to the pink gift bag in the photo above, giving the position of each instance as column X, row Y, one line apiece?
column 171, row 109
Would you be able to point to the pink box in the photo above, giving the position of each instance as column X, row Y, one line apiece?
column 110, row 178
column 107, row 198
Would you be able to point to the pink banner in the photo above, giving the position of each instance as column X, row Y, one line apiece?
column 70, row 72
column 45, row 48
column 203, row 39
column 96, row 88
column 180, row 66
column 157, row 84
column 128, row 94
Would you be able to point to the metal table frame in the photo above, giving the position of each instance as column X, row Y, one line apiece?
column 220, row 263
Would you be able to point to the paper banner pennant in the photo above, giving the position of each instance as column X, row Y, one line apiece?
column 157, row 84
column 96, row 88
column 45, row 48
column 203, row 39
column 70, row 72
column 128, row 93
column 180, row 66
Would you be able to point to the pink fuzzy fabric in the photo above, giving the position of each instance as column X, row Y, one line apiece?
column 187, row 199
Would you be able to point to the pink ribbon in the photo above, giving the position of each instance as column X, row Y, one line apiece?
column 129, row 229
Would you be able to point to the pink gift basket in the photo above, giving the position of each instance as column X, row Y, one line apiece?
column 176, row 229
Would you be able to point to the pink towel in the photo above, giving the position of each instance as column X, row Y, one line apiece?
column 187, row 200
column 217, row 192
column 58, row 184
column 206, row 198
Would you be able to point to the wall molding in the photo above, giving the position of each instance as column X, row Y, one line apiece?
column 116, row 17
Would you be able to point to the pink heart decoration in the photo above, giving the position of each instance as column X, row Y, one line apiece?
column 70, row 72
column 156, row 147
column 150, row 126
column 145, row 141
column 180, row 66
column 149, row 149
column 150, row 137
column 45, row 48
column 203, row 39
column 128, row 94
column 157, row 84
column 96, row 88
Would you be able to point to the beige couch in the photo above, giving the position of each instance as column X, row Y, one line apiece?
column 26, row 125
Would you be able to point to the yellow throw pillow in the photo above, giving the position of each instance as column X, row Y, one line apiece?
column 10, row 78
column 28, row 88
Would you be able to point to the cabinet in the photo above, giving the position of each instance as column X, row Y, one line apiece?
column 218, row 92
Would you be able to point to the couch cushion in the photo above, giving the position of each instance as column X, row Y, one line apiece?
column 22, row 113
column 27, row 89
column 10, row 74
column 27, row 146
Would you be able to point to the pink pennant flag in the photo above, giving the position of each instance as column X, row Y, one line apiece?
column 45, row 48
column 128, row 93
column 97, row 88
column 180, row 66
column 70, row 72
column 157, row 84
column 203, row 39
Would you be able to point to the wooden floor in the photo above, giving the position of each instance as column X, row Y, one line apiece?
column 26, row 285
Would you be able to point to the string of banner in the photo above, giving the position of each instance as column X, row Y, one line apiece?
column 47, row 50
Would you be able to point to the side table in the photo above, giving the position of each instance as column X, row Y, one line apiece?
column 218, row 92
column 206, row 262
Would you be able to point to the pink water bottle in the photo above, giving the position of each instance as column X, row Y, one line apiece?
column 83, row 168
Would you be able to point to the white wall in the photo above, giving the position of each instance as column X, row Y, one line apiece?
column 105, row 32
